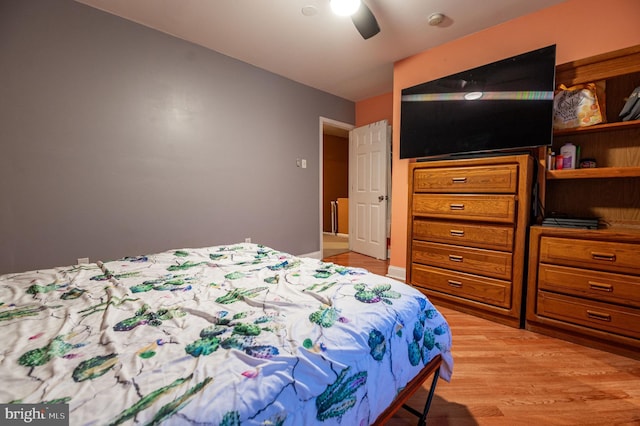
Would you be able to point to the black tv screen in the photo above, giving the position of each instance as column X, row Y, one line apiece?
column 504, row 105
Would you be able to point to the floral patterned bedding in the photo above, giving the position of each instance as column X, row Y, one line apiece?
column 228, row 335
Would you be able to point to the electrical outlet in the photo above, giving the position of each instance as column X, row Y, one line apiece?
column 303, row 163
column 247, row 240
column 83, row 260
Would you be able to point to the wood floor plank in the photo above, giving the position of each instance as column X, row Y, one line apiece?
column 505, row 376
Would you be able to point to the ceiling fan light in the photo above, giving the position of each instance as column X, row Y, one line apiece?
column 344, row 7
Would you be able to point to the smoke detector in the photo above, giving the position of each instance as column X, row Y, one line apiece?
column 435, row 19
column 309, row 10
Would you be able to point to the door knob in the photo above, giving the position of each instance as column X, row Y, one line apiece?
column 382, row 198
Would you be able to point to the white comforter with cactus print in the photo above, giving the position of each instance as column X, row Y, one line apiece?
column 225, row 335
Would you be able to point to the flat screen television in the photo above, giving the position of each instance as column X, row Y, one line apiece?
column 504, row 105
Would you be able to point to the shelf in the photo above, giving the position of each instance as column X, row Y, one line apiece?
column 606, row 127
column 595, row 173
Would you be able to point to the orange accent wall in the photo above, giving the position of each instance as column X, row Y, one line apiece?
column 375, row 109
column 579, row 28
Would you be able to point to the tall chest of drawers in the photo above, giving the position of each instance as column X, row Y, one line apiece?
column 584, row 286
column 467, row 232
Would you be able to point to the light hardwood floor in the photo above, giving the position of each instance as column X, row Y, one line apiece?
column 334, row 244
column 506, row 376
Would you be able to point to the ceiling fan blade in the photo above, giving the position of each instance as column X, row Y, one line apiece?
column 365, row 22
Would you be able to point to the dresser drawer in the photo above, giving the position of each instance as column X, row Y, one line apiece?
column 489, row 208
column 491, row 263
column 502, row 179
column 466, row 234
column 600, row 255
column 600, row 286
column 600, row 316
column 473, row 287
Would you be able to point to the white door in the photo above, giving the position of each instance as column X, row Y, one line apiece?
column 368, row 197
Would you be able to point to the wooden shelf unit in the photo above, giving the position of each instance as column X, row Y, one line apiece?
column 584, row 285
column 611, row 191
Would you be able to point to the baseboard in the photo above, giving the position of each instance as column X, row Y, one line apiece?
column 397, row 272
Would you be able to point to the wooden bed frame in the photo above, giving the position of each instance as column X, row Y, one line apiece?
column 433, row 367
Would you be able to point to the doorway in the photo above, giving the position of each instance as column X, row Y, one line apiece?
column 334, row 186
column 366, row 177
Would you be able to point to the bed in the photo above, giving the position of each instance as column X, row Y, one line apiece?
column 223, row 335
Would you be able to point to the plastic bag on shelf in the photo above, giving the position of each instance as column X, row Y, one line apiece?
column 577, row 106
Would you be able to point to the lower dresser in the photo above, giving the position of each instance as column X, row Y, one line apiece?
column 584, row 286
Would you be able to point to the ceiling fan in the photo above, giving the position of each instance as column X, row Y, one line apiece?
column 361, row 15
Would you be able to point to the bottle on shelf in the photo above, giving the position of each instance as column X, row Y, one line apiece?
column 568, row 152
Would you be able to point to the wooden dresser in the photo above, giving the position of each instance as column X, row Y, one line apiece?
column 467, row 231
column 584, row 286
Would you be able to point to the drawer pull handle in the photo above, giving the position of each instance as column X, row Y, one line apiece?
column 459, row 180
column 455, row 258
column 456, row 233
column 600, row 287
column 456, row 284
column 599, row 316
column 456, row 206
column 609, row 257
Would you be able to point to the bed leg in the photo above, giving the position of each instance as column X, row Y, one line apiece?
column 423, row 418
column 422, row 421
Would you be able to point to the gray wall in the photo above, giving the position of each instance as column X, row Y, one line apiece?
column 118, row 140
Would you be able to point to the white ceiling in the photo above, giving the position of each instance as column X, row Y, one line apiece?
column 323, row 51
